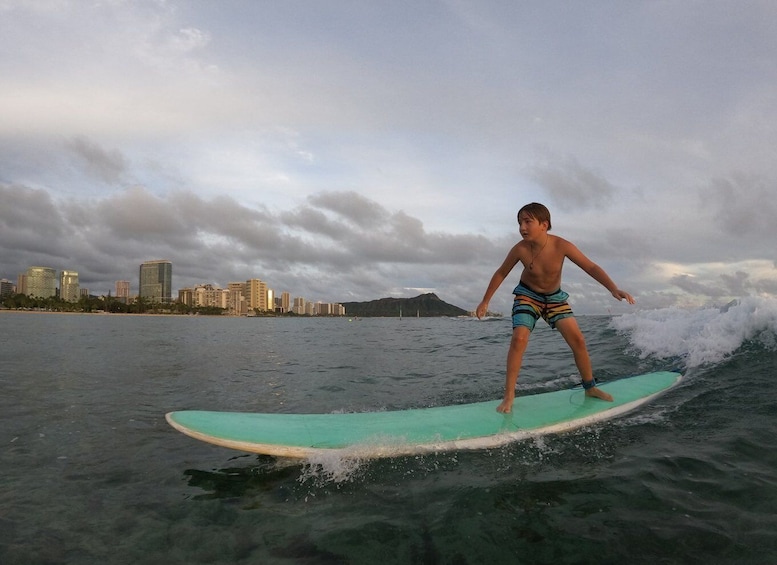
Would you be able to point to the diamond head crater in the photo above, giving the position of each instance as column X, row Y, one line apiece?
column 424, row 305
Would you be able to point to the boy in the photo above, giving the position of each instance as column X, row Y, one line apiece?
column 539, row 294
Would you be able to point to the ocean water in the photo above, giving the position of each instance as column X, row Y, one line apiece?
column 92, row 473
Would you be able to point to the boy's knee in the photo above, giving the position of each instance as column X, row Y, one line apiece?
column 576, row 340
column 519, row 340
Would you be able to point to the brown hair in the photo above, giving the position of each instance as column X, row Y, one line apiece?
column 537, row 211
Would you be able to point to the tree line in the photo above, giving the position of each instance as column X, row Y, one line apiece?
column 104, row 304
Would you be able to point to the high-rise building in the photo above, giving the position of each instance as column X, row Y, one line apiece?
column 207, row 295
column 40, row 282
column 68, row 286
column 186, row 296
column 122, row 291
column 237, row 302
column 21, row 283
column 285, row 301
column 6, row 288
column 221, row 299
column 256, row 294
column 156, row 281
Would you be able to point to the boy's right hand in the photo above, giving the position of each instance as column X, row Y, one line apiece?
column 481, row 310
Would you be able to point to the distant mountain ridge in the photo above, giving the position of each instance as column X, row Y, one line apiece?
column 424, row 305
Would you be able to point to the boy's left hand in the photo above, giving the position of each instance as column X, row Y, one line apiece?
column 622, row 295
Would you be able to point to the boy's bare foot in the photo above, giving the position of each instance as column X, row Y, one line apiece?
column 596, row 392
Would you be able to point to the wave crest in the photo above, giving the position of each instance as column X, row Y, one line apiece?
column 701, row 336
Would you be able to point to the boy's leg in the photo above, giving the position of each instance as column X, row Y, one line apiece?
column 518, row 344
column 571, row 333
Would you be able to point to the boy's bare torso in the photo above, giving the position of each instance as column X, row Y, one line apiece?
column 542, row 262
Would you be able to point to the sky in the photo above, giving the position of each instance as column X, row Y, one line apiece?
column 348, row 150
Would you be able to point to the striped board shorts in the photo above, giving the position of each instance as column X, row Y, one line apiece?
column 530, row 306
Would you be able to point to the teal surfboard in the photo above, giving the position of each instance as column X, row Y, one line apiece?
column 423, row 430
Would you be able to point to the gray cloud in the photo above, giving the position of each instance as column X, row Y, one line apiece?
column 572, row 186
column 106, row 165
column 768, row 286
column 691, row 285
column 742, row 204
column 352, row 206
column 220, row 240
column 737, row 284
column 732, row 285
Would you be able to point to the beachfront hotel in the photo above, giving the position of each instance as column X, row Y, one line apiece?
column 156, row 281
column 40, row 282
column 68, row 286
column 123, row 291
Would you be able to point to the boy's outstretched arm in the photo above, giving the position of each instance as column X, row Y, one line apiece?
column 496, row 280
column 598, row 274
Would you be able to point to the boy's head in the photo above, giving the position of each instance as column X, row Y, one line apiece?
column 537, row 211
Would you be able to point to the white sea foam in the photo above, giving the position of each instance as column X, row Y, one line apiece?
column 701, row 336
column 346, row 464
column 337, row 466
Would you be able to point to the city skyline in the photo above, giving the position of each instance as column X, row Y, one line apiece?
column 159, row 273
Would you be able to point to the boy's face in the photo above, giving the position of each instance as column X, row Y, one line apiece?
column 530, row 227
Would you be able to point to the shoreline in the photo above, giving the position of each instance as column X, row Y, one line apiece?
column 11, row 311
column 155, row 314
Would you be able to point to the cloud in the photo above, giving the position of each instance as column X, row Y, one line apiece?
column 105, row 165
column 220, row 240
column 692, row 286
column 767, row 286
column 351, row 206
column 742, row 205
column 572, row 186
column 731, row 285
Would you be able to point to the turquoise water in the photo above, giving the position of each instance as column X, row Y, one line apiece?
column 92, row 473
